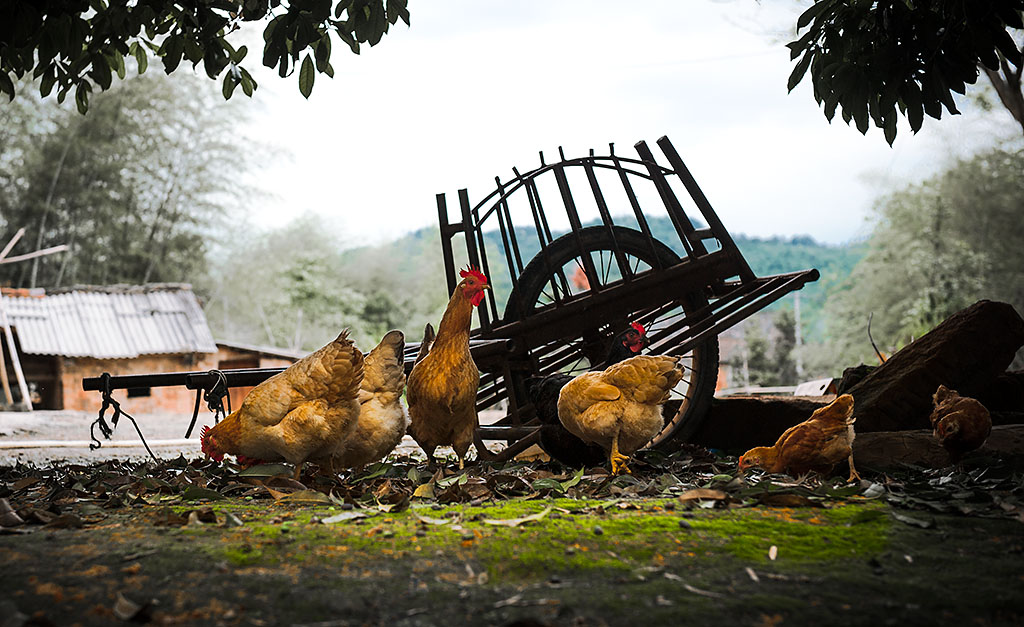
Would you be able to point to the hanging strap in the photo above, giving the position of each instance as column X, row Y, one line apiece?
column 107, row 430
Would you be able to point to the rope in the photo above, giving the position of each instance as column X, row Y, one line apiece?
column 107, row 430
column 214, row 397
column 195, row 414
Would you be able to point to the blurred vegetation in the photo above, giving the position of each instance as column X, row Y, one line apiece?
column 936, row 247
column 136, row 189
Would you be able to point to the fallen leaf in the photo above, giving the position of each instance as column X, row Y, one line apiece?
column 9, row 517
column 424, row 491
column 345, row 516
column 703, row 494
column 266, row 470
column 306, row 497
column 773, row 552
column 426, row 520
column 21, row 484
column 126, row 609
column 916, row 522
column 515, row 522
column 703, row 593
column 64, row 521
column 196, row 493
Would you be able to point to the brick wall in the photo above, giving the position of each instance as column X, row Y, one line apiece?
column 174, row 399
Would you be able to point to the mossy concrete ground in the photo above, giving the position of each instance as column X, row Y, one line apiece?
column 579, row 562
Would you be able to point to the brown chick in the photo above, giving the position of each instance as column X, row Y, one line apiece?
column 816, row 444
column 619, row 408
column 303, row 413
column 442, row 386
column 961, row 423
column 382, row 418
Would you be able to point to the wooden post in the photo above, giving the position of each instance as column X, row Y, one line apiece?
column 3, row 378
column 22, row 385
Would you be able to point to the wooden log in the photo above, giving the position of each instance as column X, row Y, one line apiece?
column 738, row 423
column 966, row 352
column 884, row 450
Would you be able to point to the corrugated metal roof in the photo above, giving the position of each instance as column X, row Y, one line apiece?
column 110, row 322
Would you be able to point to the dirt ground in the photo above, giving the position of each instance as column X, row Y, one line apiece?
column 43, row 437
column 684, row 540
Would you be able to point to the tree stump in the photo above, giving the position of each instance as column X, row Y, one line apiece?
column 967, row 352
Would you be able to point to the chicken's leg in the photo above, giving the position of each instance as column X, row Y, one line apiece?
column 617, row 459
column 298, row 471
column 853, row 471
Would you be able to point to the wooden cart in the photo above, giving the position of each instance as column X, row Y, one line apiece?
column 564, row 287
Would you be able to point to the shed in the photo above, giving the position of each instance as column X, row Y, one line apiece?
column 64, row 335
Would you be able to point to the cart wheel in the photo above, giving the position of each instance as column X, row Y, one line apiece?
column 557, row 274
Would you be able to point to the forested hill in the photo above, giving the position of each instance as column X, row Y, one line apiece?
column 416, row 252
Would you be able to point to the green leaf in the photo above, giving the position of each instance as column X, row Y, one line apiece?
column 7, row 85
column 576, row 478
column 812, row 12
column 889, row 127
column 172, row 50
column 307, row 75
column 265, row 470
column 195, row 493
column 117, row 62
column 323, row 52
column 547, row 484
column 248, row 83
column 239, row 54
column 47, row 82
column 798, row 72
column 82, row 96
column 141, row 59
column 100, row 71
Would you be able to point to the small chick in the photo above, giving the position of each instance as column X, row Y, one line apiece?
column 959, row 422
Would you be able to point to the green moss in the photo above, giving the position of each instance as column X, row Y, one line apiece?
column 800, row 535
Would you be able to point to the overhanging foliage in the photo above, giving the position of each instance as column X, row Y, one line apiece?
column 867, row 58
column 76, row 45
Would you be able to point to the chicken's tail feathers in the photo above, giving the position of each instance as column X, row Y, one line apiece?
column 428, row 340
column 346, row 367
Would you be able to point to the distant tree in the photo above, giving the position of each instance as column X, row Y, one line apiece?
column 936, row 247
column 869, row 58
column 785, row 343
column 135, row 189
column 78, row 45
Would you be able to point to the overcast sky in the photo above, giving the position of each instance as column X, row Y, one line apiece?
column 475, row 87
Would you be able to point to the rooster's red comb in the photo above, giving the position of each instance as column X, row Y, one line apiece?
column 474, row 272
column 639, row 328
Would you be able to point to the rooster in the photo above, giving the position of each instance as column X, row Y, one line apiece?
column 960, row 423
column 816, row 444
column 443, row 383
column 382, row 418
column 620, row 408
column 543, row 392
column 304, row 413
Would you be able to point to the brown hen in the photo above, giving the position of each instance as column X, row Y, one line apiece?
column 816, row 444
column 961, row 423
column 442, row 386
column 382, row 418
column 303, row 413
column 619, row 408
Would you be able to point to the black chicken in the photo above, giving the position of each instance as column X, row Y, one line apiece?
column 543, row 391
